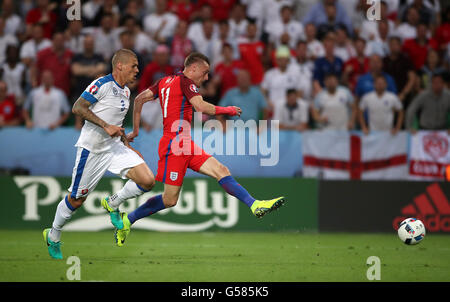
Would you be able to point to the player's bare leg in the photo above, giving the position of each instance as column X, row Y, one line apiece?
column 212, row 167
column 141, row 180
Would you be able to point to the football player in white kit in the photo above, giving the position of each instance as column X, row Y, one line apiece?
column 102, row 146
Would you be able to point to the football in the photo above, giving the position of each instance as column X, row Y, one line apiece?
column 411, row 231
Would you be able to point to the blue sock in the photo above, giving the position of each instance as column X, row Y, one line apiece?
column 148, row 208
column 232, row 187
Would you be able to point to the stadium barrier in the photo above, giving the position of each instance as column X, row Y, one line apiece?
column 322, row 154
column 29, row 202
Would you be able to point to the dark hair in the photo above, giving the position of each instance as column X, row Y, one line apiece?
column 331, row 74
column 380, row 76
column 290, row 91
column 195, row 57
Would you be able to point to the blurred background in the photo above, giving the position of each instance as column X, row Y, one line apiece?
column 363, row 106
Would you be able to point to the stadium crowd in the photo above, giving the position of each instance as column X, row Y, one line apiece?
column 308, row 63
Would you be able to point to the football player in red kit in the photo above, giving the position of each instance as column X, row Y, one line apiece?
column 178, row 94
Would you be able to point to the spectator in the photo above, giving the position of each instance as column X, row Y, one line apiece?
column 326, row 14
column 305, row 69
column 380, row 106
column 433, row 65
column 344, row 48
column 249, row 98
column 222, row 39
column 285, row 25
column 13, row 23
column 408, row 30
column 365, row 82
column 426, row 14
column 329, row 63
column 442, row 33
column 157, row 69
column 180, row 46
column 206, row 43
column 183, row 9
column 5, row 40
column 85, row 68
column 433, row 106
column 13, row 74
column 126, row 39
column 48, row 103
column 356, row 66
column 418, row 47
column 278, row 80
column 399, row 66
column 143, row 44
column 270, row 10
column 43, row 14
column 226, row 71
column 294, row 114
column 8, row 110
column 237, row 21
column 89, row 9
column 370, row 30
column 251, row 51
column 315, row 47
column 135, row 10
column 56, row 59
column 32, row 46
column 220, row 8
column 380, row 45
column 195, row 29
column 161, row 24
column 108, row 7
column 106, row 38
column 75, row 37
column 334, row 107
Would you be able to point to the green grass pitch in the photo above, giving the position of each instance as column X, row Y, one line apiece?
column 224, row 257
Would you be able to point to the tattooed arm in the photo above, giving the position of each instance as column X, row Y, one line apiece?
column 81, row 108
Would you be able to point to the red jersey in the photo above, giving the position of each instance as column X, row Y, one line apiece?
column 418, row 53
column 174, row 93
column 58, row 66
column 228, row 74
column 252, row 53
column 8, row 110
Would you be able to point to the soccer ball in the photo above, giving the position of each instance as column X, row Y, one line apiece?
column 411, row 231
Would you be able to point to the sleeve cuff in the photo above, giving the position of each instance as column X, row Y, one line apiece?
column 89, row 97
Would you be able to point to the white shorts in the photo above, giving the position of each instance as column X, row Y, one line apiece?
column 90, row 167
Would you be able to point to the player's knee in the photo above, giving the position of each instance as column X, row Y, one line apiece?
column 147, row 182
column 222, row 171
column 170, row 201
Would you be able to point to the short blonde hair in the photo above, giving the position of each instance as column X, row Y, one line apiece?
column 122, row 56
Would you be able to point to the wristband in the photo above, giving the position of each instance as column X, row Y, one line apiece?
column 230, row 110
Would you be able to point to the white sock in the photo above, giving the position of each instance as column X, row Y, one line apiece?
column 129, row 190
column 63, row 213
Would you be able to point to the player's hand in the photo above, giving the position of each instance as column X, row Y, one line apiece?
column 131, row 136
column 114, row 130
column 237, row 112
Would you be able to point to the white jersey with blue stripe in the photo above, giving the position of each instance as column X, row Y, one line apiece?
column 110, row 102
